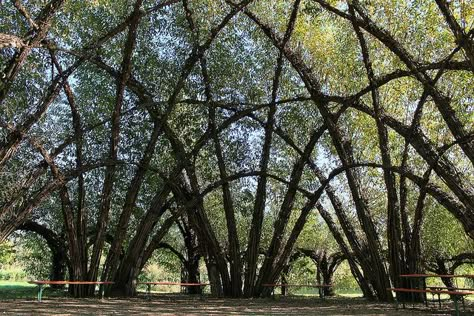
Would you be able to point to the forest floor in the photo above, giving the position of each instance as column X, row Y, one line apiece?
column 175, row 304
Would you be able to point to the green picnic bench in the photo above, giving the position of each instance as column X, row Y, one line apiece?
column 42, row 284
column 455, row 294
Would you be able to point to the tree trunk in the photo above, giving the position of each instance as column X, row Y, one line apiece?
column 193, row 256
column 326, row 271
column 229, row 210
column 109, row 178
column 193, row 274
column 214, row 279
column 284, row 280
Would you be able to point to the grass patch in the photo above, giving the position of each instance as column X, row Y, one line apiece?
column 23, row 290
column 16, row 290
column 348, row 293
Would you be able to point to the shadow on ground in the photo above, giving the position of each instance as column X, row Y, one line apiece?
column 186, row 305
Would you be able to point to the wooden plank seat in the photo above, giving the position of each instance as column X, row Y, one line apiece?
column 321, row 287
column 455, row 294
column 150, row 284
column 42, row 283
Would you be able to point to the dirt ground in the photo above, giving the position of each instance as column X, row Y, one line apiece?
column 186, row 305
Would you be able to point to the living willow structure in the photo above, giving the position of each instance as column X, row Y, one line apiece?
column 235, row 121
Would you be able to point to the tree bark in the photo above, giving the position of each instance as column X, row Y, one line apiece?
column 345, row 152
column 252, row 284
column 229, row 210
column 461, row 38
column 109, row 178
column 394, row 235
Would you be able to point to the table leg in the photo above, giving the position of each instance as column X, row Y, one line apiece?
column 425, row 295
column 456, row 304
column 420, row 284
column 201, row 292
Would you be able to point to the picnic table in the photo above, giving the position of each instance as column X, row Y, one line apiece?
column 444, row 288
column 150, row 284
column 422, row 277
column 455, row 292
column 42, row 284
column 320, row 287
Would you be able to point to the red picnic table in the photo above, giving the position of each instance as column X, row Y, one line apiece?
column 456, row 293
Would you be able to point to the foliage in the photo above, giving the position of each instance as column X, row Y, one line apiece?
column 127, row 116
column 6, row 253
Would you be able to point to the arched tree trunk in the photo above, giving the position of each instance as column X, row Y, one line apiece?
column 193, row 274
column 357, row 253
column 326, row 266
column 379, row 276
column 193, row 257
column 137, row 254
column 394, row 235
column 56, row 243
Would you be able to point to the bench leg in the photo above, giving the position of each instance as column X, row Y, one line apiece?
column 40, row 292
column 148, row 291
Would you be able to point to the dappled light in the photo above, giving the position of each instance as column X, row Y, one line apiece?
column 237, row 149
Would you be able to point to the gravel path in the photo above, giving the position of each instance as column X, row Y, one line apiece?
column 185, row 305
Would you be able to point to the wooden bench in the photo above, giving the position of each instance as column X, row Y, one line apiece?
column 320, row 287
column 455, row 294
column 149, row 285
column 41, row 285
